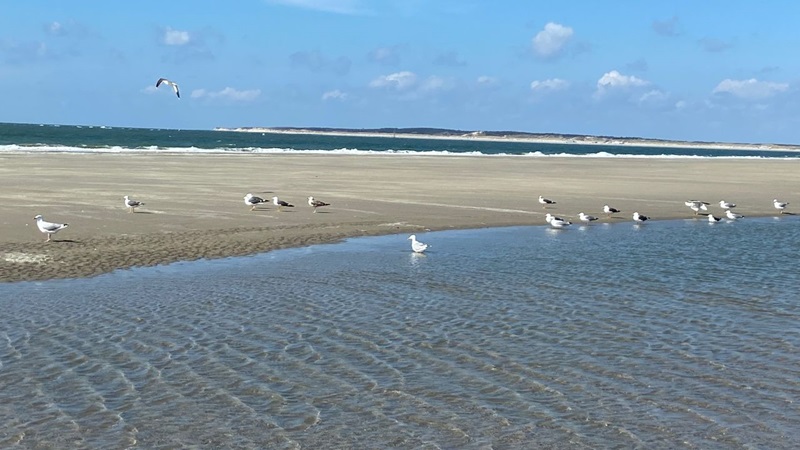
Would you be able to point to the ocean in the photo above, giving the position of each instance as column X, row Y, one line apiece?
column 69, row 138
column 670, row 334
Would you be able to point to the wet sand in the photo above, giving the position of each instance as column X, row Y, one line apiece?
column 194, row 207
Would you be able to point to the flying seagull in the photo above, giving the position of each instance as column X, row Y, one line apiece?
column 132, row 204
column 170, row 83
column 316, row 203
column 546, row 201
column 280, row 203
column 417, row 246
column 49, row 228
column 253, row 201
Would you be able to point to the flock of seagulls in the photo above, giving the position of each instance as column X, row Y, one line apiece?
column 51, row 228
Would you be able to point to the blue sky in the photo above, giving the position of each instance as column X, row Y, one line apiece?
column 709, row 70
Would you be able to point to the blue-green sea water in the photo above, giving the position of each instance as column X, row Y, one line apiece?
column 673, row 334
column 64, row 138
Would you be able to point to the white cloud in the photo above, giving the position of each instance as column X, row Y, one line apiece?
column 228, row 93
column 175, row 37
column 335, row 94
column 384, row 55
column 399, row 81
column 550, row 42
column 435, row 83
column 653, row 96
column 751, row 89
column 485, row 80
column 552, row 84
column 332, row 6
column 615, row 81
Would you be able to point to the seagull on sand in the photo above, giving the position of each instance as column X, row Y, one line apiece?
column 779, row 205
column 316, row 203
column 49, row 228
column 609, row 210
column 586, row 218
column 280, row 203
column 132, row 204
column 169, row 83
column 639, row 217
column 732, row 215
column 417, row 246
column 712, row 219
column 726, row 205
column 253, row 201
column 546, row 201
column 696, row 206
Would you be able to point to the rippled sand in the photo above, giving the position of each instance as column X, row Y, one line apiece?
column 194, row 207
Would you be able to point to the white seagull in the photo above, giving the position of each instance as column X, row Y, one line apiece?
column 712, row 219
column 417, row 246
column 726, row 205
column 696, row 206
column 779, row 205
column 549, row 218
column 316, row 203
column 253, row 201
column 546, row 201
column 609, row 210
column 280, row 203
column 639, row 217
column 49, row 228
column 586, row 218
column 732, row 215
column 557, row 222
column 169, row 83
column 132, row 204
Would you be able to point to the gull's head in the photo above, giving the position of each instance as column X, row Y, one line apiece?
column 248, row 196
column 275, row 199
column 310, row 198
column 413, row 237
column 38, row 217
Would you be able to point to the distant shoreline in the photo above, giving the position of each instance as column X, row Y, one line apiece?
column 493, row 136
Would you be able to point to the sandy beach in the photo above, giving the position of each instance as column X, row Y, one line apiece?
column 194, row 207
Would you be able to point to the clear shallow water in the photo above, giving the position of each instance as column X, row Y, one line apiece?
column 667, row 335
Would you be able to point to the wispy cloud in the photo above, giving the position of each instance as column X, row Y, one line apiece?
column 552, row 40
column 399, row 81
column 450, row 59
column 67, row 28
column 228, row 93
column 170, row 36
column 751, row 89
column 669, row 27
column 389, row 56
column 335, row 94
column 552, row 84
column 329, row 6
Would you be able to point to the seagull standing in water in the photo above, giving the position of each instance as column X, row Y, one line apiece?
column 169, row 83
column 417, row 246
column 280, row 203
column 640, row 217
column 586, row 218
column 253, row 201
column 712, row 219
column 780, row 206
column 49, row 228
column 546, row 201
column 132, row 204
column 609, row 210
column 696, row 206
column 732, row 215
column 316, row 203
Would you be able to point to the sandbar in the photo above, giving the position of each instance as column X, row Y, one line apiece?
column 194, row 202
